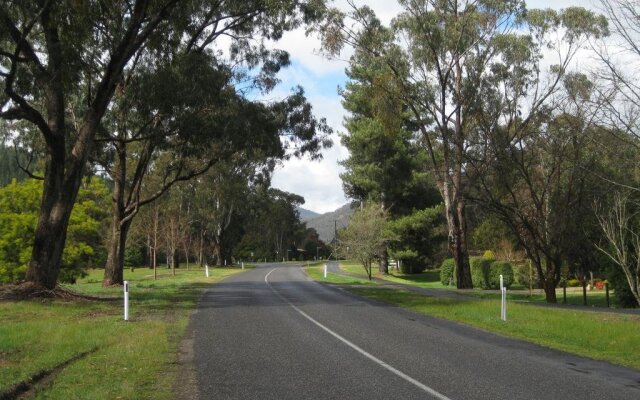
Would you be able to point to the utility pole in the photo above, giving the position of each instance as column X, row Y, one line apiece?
column 335, row 235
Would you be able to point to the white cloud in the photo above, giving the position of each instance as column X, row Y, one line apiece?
column 318, row 181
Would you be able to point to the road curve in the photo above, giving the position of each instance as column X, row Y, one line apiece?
column 271, row 333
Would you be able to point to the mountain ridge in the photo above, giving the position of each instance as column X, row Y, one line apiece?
column 325, row 224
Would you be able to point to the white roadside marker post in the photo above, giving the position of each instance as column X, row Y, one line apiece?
column 503, row 303
column 325, row 271
column 206, row 270
column 126, row 300
column 243, row 265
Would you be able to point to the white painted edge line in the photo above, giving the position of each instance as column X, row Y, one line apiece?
column 356, row 348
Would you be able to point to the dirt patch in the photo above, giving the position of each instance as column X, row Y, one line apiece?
column 97, row 314
column 29, row 290
column 6, row 355
column 186, row 384
column 26, row 388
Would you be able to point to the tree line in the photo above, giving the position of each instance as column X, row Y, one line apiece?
column 481, row 108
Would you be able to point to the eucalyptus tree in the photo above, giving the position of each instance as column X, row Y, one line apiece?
column 62, row 62
column 158, row 125
column 617, row 74
column 272, row 223
column 537, row 127
column 225, row 189
column 441, row 54
column 538, row 178
column 620, row 227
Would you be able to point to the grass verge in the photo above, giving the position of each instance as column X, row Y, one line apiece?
column 317, row 273
column 603, row 336
column 598, row 335
column 91, row 351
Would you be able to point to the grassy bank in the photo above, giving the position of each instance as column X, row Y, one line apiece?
column 317, row 273
column 599, row 335
column 84, row 349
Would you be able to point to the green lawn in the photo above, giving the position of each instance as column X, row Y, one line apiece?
column 429, row 279
column 596, row 298
column 107, row 357
column 317, row 273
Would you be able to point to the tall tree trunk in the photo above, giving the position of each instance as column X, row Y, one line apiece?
column 459, row 242
column 383, row 265
column 201, row 249
column 550, row 291
column 155, row 266
column 186, row 255
column 217, row 252
column 148, row 253
column 171, row 259
column 58, row 198
column 51, row 229
column 113, row 270
column 455, row 213
column 459, row 247
column 551, row 278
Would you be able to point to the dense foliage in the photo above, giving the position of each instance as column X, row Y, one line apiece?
column 18, row 216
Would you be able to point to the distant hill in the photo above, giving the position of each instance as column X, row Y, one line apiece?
column 306, row 215
column 324, row 224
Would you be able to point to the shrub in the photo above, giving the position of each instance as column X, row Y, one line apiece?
column 621, row 291
column 410, row 261
column 480, row 272
column 411, row 266
column 573, row 283
column 521, row 274
column 488, row 255
column 133, row 257
column 448, row 272
column 19, row 205
column 498, row 268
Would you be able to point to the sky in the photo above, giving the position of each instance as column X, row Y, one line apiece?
column 319, row 181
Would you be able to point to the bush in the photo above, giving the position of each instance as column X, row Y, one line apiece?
column 19, row 205
column 410, row 266
column 480, row 272
column 621, row 291
column 498, row 268
column 488, row 255
column 133, row 257
column 448, row 272
column 573, row 283
column 521, row 274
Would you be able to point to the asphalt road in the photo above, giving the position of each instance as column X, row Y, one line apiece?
column 271, row 333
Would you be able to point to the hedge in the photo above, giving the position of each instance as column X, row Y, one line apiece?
column 498, row 268
column 480, row 271
column 485, row 273
column 448, row 272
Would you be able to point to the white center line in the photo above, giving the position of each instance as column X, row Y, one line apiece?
column 358, row 349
